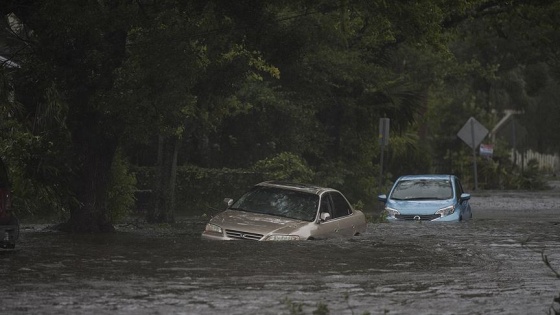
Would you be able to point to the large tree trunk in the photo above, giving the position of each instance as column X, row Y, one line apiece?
column 92, row 214
column 95, row 149
column 162, row 209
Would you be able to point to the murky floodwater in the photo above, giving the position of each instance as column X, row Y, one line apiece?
column 476, row 267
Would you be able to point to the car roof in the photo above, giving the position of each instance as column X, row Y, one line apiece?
column 309, row 188
column 427, row 177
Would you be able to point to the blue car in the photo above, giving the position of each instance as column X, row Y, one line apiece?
column 427, row 198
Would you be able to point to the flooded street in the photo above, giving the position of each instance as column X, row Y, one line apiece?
column 489, row 265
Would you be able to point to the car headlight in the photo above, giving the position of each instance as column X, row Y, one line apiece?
column 391, row 212
column 446, row 211
column 282, row 238
column 213, row 228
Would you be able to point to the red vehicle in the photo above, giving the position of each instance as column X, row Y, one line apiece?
column 9, row 224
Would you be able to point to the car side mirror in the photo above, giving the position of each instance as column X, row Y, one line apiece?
column 465, row 196
column 228, row 202
column 382, row 198
column 325, row 216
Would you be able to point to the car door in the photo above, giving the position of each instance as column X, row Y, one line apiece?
column 342, row 214
column 341, row 219
column 329, row 227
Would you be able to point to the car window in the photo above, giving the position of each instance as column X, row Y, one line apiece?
column 458, row 189
column 279, row 202
column 422, row 189
column 341, row 207
column 326, row 205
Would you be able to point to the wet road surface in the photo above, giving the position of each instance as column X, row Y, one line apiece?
column 489, row 265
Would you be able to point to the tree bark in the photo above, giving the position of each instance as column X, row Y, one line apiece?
column 163, row 202
column 92, row 214
column 95, row 149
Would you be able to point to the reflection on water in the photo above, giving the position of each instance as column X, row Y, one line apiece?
column 476, row 267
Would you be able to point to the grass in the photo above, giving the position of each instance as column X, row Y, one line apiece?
column 296, row 308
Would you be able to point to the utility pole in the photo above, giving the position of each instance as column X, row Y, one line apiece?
column 383, row 142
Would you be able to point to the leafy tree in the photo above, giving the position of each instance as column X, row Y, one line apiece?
column 496, row 64
column 230, row 83
column 69, row 61
column 336, row 81
column 185, row 72
column 285, row 166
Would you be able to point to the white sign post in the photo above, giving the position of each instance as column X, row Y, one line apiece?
column 472, row 134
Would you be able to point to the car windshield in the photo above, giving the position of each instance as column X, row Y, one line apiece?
column 279, row 202
column 419, row 189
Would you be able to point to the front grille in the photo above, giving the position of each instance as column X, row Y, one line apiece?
column 411, row 217
column 243, row 235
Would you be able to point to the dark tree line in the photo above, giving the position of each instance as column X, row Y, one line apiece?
column 234, row 83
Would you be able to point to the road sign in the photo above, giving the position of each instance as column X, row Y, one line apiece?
column 486, row 150
column 383, row 142
column 472, row 133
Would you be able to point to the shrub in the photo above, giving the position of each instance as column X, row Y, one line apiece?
column 122, row 186
column 285, row 166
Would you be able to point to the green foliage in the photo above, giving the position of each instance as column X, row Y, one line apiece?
column 531, row 177
column 35, row 200
column 540, row 118
column 296, row 308
column 378, row 217
column 272, row 123
column 201, row 191
column 37, row 159
column 322, row 309
column 293, row 307
column 407, row 156
column 121, row 189
column 499, row 172
column 293, row 88
column 285, row 166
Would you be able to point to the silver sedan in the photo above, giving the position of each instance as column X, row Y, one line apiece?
column 278, row 211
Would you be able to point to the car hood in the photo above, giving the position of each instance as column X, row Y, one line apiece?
column 421, row 207
column 256, row 223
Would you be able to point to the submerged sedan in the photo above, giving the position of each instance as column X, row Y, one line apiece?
column 278, row 211
column 427, row 198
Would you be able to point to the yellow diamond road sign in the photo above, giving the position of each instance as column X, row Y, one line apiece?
column 472, row 133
